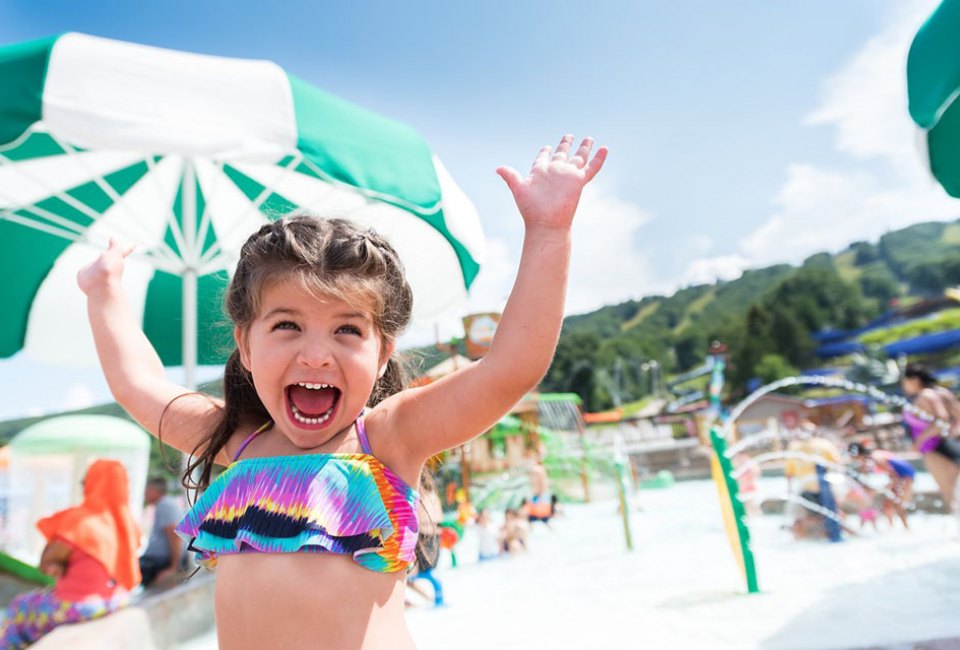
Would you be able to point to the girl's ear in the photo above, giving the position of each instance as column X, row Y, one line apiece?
column 240, row 336
column 385, row 355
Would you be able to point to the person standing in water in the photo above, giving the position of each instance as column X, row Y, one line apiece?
column 940, row 448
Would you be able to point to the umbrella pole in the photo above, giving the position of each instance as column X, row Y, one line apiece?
column 189, row 293
column 190, row 329
column 191, row 256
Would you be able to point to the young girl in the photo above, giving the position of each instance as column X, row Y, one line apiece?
column 313, row 523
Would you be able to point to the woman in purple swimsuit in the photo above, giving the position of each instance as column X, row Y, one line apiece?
column 940, row 449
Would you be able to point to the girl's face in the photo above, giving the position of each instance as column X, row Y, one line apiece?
column 314, row 361
column 910, row 385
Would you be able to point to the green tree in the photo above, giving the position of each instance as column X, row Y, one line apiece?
column 690, row 349
column 879, row 283
column 773, row 367
column 790, row 338
column 864, row 253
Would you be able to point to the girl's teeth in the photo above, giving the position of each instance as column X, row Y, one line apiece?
column 314, row 386
column 303, row 420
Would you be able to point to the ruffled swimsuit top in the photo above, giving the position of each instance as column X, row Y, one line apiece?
column 349, row 504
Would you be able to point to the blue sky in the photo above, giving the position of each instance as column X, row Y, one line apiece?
column 741, row 133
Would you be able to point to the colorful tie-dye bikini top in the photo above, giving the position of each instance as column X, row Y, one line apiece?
column 322, row 503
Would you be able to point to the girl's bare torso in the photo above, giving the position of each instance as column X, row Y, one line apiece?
column 307, row 600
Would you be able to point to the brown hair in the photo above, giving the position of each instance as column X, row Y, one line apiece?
column 332, row 257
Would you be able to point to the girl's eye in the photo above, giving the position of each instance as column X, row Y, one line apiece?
column 285, row 325
column 349, row 329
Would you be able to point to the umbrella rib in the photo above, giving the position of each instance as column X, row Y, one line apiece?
column 81, row 237
column 8, row 215
column 116, row 198
column 253, row 207
column 170, row 218
column 81, row 207
column 205, row 217
column 55, row 219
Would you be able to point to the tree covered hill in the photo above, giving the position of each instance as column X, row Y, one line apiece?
column 766, row 316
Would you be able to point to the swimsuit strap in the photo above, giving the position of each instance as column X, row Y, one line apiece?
column 362, row 434
column 249, row 439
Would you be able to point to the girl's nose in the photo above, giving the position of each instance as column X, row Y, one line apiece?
column 314, row 355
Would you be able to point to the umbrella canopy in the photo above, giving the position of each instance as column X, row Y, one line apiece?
column 184, row 156
column 933, row 86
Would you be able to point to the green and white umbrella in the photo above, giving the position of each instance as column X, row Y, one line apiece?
column 184, row 156
column 933, row 89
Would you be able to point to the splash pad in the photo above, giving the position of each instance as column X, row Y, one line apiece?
column 725, row 474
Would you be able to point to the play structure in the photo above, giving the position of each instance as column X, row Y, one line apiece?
column 728, row 475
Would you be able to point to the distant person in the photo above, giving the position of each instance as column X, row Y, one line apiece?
column 539, row 481
column 900, row 474
column 540, row 506
column 862, row 499
column 489, row 540
column 91, row 552
column 748, row 483
column 429, row 515
column 161, row 559
column 514, row 533
column 808, row 450
column 941, row 453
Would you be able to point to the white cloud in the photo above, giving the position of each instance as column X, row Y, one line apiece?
column 492, row 287
column 865, row 100
column 707, row 270
column 607, row 266
column 826, row 210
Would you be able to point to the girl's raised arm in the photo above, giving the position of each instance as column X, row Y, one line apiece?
column 463, row 405
column 131, row 366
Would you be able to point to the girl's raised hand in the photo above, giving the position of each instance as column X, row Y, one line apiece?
column 107, row 267
column 549, row 195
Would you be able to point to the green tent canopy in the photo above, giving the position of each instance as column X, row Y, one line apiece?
column 69, row 433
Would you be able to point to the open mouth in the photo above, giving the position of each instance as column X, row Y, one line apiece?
column 312, row 405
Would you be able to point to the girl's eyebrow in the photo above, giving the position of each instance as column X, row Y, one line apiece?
column 352, row 314
column 281, row 310
column 293, row 312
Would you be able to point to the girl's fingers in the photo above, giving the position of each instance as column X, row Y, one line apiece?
column 511, row 177
column 563, row 149
column 120, row 247
column 594, row 165
column 582, row 155
column 543, row 157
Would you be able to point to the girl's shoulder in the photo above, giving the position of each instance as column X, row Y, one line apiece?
column 241, row 438
column 388, row 446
